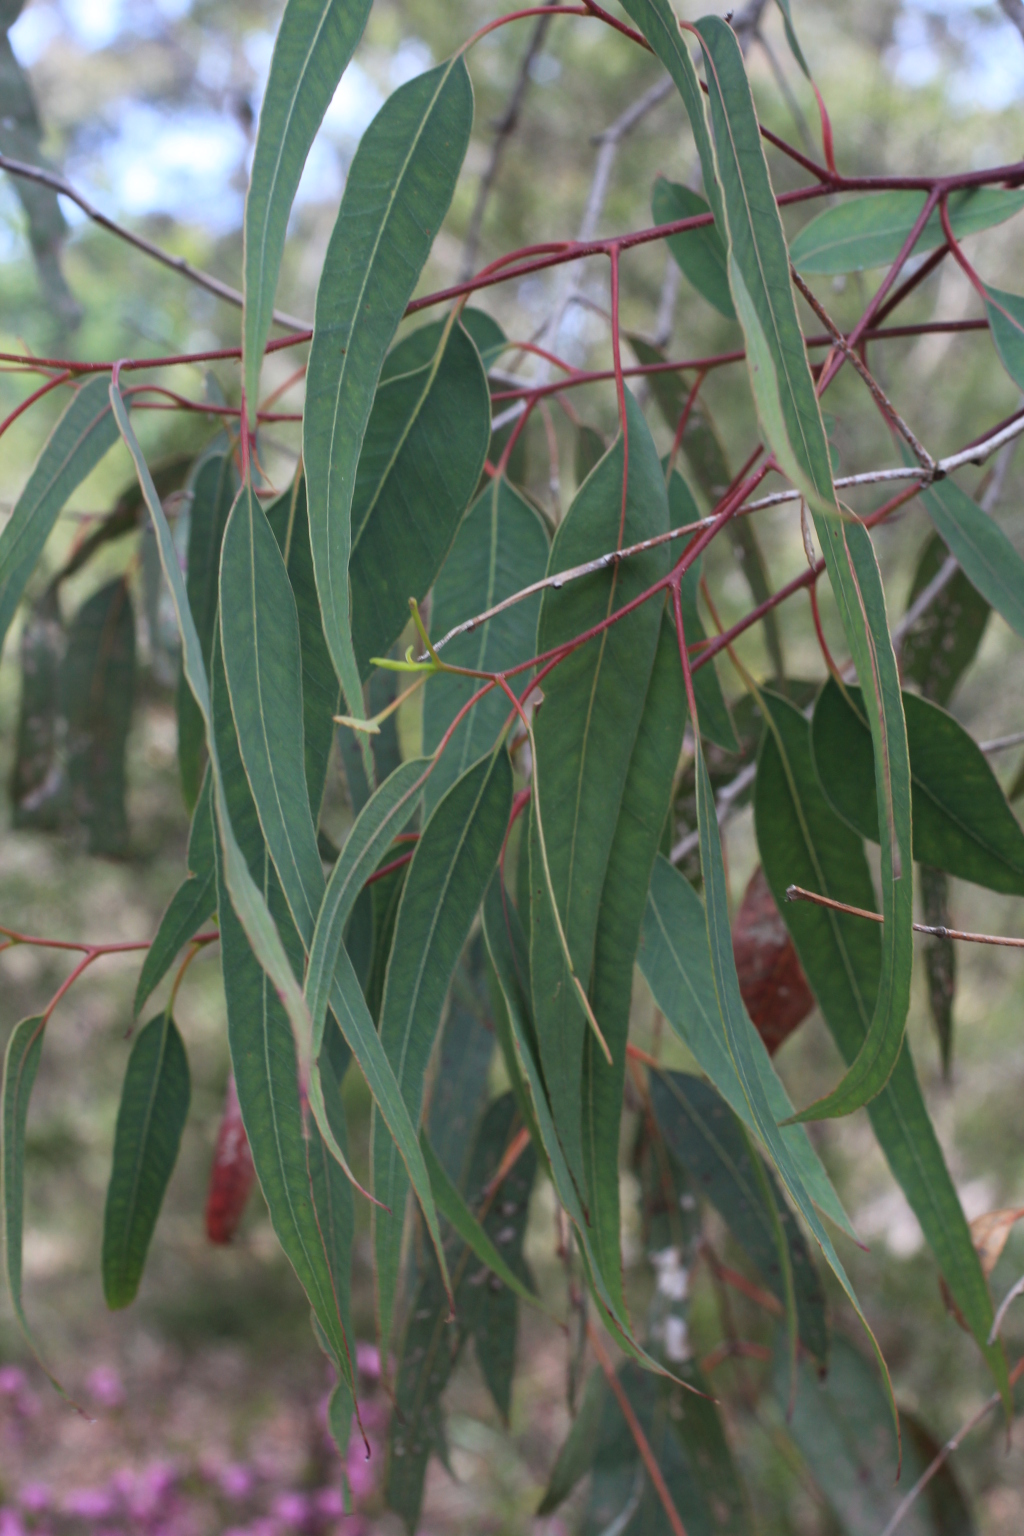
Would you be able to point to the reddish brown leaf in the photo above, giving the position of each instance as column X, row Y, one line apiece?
column 772, row 983
column 232, row 1174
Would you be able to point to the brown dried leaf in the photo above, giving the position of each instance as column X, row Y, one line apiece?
column 989, row 1233
column 772, row 982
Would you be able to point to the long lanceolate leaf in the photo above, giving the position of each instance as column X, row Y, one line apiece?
column 265, row 1066
column 21, row 1063
column 289, row 521
column 74, row 448
column 803, row 842
column 506, row 947
column 455, row 1210
column 314, row 43
column 584, row 735
column 645, row 804
column 378, row 823
column 260, row 639
column 450, row 871
column 194, row 900
column 737, row 1037
column 421, row 461
column 675, row 960
column 657, row 21
column 705, row 1136
column 962, row 821
column 397, row 193
column 500, row 548
column 214, row 487
column 981, row 547
column 248, row 898
column 789, row 411
column 150, row 1120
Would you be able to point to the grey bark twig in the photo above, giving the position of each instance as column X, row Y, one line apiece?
column 503, row 131
column 178, row 264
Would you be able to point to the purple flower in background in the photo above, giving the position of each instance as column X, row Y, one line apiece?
column 105, row 1386
column 152, row 1491
column 330, row 1503
column 12, row 1380
column 368, row 1361
column 236, row 1480
column 291, row 1508
column 11, row 1523
column 90, row 1503
column 35, row 1498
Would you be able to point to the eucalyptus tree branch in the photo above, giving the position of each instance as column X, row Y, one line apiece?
column 1014, row 11
column 797, row 893
column 879, row 396
column 945, row 1451
column 177, row 264
column 777, row 498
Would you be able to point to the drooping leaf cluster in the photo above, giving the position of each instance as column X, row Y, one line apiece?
column 555, row 835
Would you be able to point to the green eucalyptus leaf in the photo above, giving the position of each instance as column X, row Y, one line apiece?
column 705, row 455
column 674, row 1421
column 712, row 710
column 385, row 753
column 486, row 1311
column 488, row 1307
column 214, row 489
column 803, row 842
column 585, row 731
column 259, row 631
column 506, row 946
column 870, row 231
column 397, row 193
column 21, row 1063
column 1006, row 322
column 192, row 903
column 675, row 960
column 421, row 461
column 791, row 37
column 985, row 554
column 459, row 1090
column 962, row 821
column 659, row 24
column 283, row 1143
column 446, row 882
column 150, row 1120
column 385, row 814
column 315, row 41
column 246, row 895
column 735, row 1026
column 645, row 805
column 841, row 1428
column 500, row 548
column 590, row 450
column 76, row 445
column 289, row 521
column 940, row 647
column 462, row 1220
column 703, row 1133
column 788, row 407
column 698, row 253
column 38, row 783
column 576, row 1456
column 97, row 684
